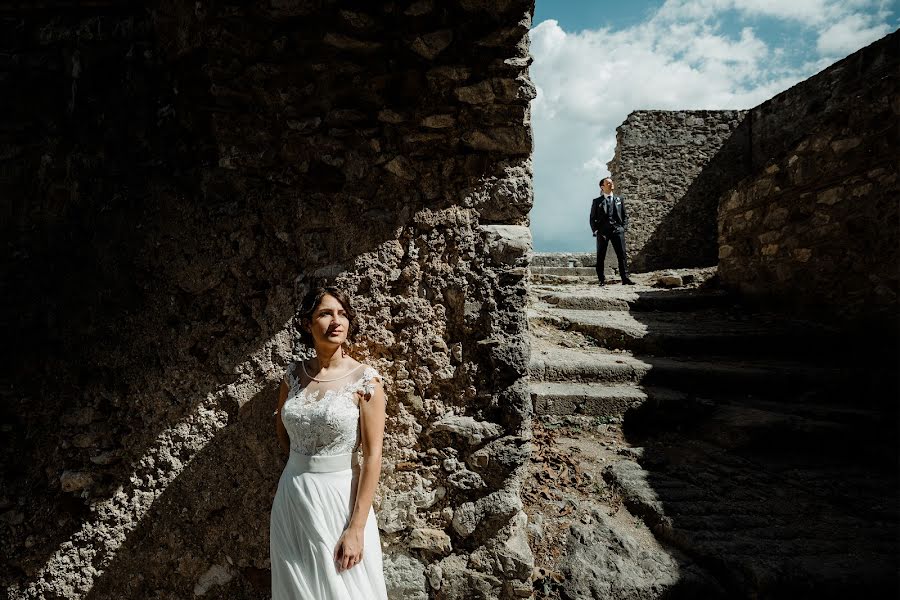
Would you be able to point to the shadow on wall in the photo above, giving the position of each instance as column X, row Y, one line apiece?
column 815, row 228
column 161, row 233
column 120, row 258
column 687, row 235
column 207, row 521
column 154, row 291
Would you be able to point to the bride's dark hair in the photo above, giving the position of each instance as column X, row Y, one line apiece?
column 311, row 301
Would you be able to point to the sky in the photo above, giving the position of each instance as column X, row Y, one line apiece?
column 595, row 61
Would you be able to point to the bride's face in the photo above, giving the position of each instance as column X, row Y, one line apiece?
column 330, row 323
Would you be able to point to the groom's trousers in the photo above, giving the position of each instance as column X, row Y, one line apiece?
column 617, row 238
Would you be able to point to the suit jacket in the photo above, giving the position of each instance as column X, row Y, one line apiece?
column 603, row 222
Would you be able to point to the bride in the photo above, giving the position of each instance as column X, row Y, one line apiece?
column 324, row 541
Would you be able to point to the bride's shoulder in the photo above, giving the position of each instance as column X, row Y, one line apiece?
column 367, row 371
column 369, row 378
column 293, row 375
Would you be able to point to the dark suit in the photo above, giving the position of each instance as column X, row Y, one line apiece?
column 609, row 220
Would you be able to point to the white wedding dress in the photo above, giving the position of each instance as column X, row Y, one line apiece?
column 316, row 493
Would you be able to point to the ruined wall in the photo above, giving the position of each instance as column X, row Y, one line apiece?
column 173, row 179
column 816, row 225
column 564, row 259
column 671, row 167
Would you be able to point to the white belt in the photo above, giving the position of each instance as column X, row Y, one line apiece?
column 323, row 464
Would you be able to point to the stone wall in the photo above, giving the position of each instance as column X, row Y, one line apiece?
column 173, row 180
column 671, row 167
column 815, row 227
column 564, row 259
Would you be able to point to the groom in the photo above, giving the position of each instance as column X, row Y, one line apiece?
column 609, row 222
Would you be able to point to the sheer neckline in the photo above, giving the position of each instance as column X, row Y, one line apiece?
column 311, row 378
column 299, row 386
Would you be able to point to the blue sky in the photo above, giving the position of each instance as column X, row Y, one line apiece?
column 575, row 15
column 596, row 61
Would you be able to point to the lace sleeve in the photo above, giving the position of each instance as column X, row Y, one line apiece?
column 290, row 379
column 367, row 383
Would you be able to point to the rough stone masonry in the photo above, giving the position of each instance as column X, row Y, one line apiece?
column 815, row 224
column 795, row 199
column 174, row 178
column 672, row 166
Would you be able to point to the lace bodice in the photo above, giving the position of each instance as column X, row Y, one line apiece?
column 325, row 422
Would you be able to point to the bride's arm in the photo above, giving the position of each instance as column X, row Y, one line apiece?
column 371, row 417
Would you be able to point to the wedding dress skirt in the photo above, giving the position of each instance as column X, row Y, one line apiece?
column 314, row 501
column 311, row 509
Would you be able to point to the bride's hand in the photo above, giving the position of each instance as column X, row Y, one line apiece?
column 348, row 552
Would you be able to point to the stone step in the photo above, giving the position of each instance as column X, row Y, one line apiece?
column 694, row 374
column 594, row 399
column 563, row 279
column 636, row 298
column 554, row 363
column 586, row 271
column 746, row 421
column 709, row 332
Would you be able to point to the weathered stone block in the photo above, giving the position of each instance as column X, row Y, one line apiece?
column 404, row 577
column 435, row 541
column 402, row 168
column 514, row 556
column 842, row 146
column 509, row 140
column 670, row 281
column 439, row 121
column 216, row 575
column 461, row 583
column 831, row 196
column 507, row 244
column 345, row 42
column 486, row 514
column 431, row 44
column 507, row 198
column 479, row 93
column 466, row 428
column 75, row 481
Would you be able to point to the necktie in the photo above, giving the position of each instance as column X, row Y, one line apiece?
column 609, row 206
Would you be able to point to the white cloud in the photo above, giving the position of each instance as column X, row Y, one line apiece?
column 842, row 26
column 588, row 82
column 814, row 13
column 850, row 34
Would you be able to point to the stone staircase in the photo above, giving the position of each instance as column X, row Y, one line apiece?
column 565, row 268
column 726, row 453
